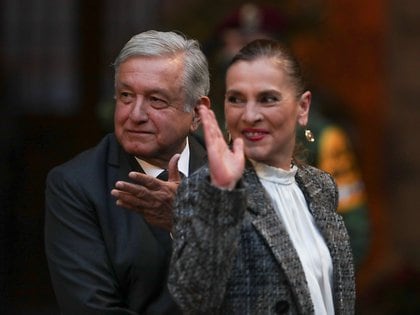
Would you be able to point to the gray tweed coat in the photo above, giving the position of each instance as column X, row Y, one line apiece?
column 232, row 254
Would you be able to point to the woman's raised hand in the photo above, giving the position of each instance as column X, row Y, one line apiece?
column 226, row 165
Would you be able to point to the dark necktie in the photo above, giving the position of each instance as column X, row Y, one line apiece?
column 163, row 175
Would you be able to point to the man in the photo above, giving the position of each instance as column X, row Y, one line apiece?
column 104, row 258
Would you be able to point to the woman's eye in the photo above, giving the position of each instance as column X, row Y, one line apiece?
column 269, row 99
column 234, row 99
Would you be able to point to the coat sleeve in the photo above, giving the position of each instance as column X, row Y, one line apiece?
column 80, row 270
column 207, row 223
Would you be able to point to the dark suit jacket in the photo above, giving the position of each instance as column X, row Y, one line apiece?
column 233, row 255
column 104, row 259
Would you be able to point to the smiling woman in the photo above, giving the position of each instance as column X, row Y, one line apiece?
column 254, row 230
column 260, row 91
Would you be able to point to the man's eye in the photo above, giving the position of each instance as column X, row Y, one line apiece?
column 126, row 97
column 157, row 102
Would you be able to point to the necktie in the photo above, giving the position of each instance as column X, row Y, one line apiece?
column 163, row 175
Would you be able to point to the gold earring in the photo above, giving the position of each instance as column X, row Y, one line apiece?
column 309, row 135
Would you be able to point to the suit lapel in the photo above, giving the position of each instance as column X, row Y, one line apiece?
column 124, row 163
column 197, row 153
column 267, row 222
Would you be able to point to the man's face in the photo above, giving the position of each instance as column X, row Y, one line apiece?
column 150, row 121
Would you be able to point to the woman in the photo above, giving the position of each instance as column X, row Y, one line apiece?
column 256, row 232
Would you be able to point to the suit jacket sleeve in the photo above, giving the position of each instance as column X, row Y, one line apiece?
column 207, row 223
column 80, row 269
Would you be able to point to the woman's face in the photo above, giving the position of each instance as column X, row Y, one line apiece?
column 262, row 108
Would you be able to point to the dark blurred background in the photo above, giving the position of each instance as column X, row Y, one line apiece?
column 56, row 89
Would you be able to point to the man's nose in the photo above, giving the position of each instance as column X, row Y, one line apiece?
column 139, row 109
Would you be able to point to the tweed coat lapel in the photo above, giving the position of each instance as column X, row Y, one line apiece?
column 267, row 222
column 322, row 212
column 331, row 226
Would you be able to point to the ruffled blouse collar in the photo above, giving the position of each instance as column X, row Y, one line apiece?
column 274, row 174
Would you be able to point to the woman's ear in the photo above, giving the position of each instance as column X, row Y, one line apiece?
column 303, row 108
column 196, row 120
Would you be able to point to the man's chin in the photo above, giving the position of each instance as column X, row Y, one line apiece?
column 138, row 149
column 141, row 153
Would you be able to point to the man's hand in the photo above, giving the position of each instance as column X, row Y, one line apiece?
column 151, row 197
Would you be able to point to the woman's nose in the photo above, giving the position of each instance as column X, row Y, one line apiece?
column 252, row 112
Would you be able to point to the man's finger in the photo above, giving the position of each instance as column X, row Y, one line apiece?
column 133, row 202
column 173, row 173
column 145, row 180
column 133, row 189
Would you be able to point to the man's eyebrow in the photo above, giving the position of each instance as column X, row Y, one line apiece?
column 157, row 90
column 122, row 84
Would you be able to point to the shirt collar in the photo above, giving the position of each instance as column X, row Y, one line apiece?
column 183, row 163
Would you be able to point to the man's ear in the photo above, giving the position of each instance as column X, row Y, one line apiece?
column 303, row 108
column 204, row 100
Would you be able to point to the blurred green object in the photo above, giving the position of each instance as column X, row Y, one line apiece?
column 332, row 152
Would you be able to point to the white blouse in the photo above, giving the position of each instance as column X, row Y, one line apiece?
column 291, row 207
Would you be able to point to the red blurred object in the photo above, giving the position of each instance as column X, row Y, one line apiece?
column 251, row 19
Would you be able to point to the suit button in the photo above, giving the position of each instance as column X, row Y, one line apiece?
column 281, row 307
